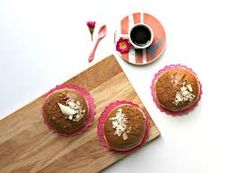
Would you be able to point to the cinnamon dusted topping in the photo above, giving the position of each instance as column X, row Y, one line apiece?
column 119, row 123
column 73, row 110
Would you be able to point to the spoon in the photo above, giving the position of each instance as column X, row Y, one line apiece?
column 101, row 34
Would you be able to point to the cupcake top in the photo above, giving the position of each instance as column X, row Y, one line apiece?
column 177, row 89
column 65, row 110
column 125, row 128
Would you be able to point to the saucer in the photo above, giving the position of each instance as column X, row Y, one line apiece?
column 154, row 51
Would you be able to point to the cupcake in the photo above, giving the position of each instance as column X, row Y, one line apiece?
column 176, row 89
column 123, row 126
column 68, row 109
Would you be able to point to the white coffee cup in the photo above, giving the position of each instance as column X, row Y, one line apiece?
column 140, row 36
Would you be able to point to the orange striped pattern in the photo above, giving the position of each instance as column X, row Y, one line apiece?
column 137, row 18
column 125, row 56
column 125, row 25
column 153, row 23
column 139, row 56
column 125, row 30
column 158, row 31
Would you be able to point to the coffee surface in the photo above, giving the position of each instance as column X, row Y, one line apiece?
column 140, row 35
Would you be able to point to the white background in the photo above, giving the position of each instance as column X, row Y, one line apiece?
column 43, row 43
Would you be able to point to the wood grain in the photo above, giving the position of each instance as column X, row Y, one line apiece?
column 26, row 144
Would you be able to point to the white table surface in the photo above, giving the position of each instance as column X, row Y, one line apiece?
column 43, row 43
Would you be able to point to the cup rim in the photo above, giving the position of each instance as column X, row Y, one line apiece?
column 146, row 45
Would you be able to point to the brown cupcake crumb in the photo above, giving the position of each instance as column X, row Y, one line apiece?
column 125, row 128
column 60, row 121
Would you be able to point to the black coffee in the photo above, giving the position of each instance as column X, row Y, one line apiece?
column 140, row 35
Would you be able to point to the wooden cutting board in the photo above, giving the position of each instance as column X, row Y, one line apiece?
column 26, row 144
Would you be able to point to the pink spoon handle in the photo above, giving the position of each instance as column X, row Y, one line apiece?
column 91, row 56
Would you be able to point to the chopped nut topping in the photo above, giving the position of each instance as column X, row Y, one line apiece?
column 189, row 88
column 73, row 110
column 119, row 123
column 185, row 94
column 176, row 78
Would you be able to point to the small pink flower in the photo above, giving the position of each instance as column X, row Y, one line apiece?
column 91, row 26
column 123, row 45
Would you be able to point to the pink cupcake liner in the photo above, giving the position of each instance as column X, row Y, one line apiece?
column 104, row 116
column 91, row 108
column 153, row 90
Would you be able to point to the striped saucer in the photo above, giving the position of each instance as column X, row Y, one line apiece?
column 153, row 52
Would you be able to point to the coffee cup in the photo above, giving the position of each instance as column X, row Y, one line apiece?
column 140, row 36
